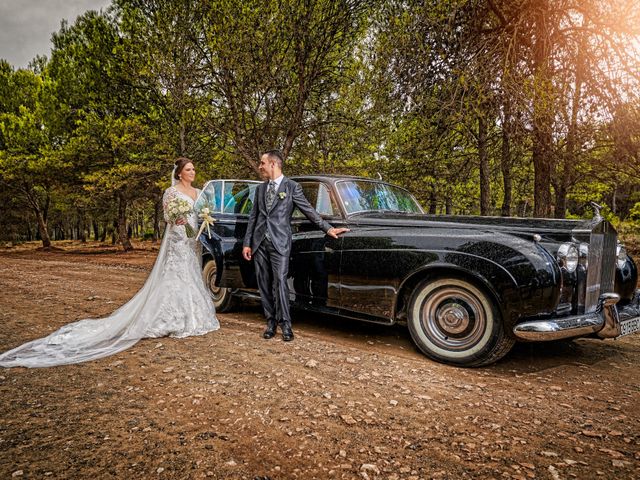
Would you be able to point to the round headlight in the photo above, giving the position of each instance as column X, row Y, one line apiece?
column 583, row 252
column 568, row 257
column 621, row 254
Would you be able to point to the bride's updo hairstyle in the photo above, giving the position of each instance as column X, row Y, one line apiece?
column 181, row 162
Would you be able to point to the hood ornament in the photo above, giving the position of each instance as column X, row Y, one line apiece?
column 596, row 210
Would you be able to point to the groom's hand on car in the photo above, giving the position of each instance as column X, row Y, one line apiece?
column 246, row 253
column 334, row 232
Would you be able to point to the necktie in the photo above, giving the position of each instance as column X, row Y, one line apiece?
column 271, row 194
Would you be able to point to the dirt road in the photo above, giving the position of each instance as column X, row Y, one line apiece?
column 344, row 400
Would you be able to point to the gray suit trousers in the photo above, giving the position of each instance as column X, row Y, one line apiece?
column 271, row 273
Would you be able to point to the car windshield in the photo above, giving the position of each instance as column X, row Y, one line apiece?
column 366, row 196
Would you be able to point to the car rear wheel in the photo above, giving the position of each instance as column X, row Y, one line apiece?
column 453, row 321
column 223, row 298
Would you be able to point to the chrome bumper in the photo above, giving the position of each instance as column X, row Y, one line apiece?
column 604, row 322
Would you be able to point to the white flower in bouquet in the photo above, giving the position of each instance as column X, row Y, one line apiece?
column 180, row 209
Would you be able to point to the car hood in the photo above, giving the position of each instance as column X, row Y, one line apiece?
column 548, row 229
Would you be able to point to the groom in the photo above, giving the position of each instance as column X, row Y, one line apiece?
column 268, row 239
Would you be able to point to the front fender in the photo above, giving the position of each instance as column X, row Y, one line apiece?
column 491, row 277
column 527, row 285
column 626, row 280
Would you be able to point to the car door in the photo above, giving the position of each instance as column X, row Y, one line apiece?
column 236, row 197
column 314, row 269
column 372, row 255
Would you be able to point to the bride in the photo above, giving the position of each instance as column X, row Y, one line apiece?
column 173, row 301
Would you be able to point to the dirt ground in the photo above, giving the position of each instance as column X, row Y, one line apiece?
column 345, row 400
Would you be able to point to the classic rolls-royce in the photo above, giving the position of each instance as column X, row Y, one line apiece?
column 467, row 287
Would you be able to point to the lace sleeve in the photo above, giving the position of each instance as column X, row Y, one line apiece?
column 169, row 194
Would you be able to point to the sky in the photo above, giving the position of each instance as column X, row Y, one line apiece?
column 26, row 25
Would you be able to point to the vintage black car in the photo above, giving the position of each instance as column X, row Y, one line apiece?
column 467, row 287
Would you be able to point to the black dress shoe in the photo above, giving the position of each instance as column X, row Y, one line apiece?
column 269, row 333
column 287, row 334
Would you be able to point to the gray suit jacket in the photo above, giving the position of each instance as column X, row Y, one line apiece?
column 277, row 220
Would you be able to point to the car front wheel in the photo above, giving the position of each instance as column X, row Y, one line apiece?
column 223, row 298
column 453, row 321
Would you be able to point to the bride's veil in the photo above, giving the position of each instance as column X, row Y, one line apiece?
column 90, row 339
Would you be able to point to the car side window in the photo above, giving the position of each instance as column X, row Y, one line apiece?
column 319, row 197
column 210, row 197
column 238, row 197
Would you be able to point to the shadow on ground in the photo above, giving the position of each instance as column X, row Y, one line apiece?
column 396, row 340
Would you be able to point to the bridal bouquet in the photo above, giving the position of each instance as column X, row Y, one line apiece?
column 180, row 209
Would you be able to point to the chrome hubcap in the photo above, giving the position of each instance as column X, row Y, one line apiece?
column 453, row 318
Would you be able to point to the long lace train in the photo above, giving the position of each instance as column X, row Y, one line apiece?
column 173, row 301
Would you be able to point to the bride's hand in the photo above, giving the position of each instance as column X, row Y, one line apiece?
column 181, row 221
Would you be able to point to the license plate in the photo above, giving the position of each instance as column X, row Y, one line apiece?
column 629, row 326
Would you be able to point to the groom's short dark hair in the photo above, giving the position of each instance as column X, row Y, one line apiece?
column 275, row 155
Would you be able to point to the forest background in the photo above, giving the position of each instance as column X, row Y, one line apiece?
column 489, row 107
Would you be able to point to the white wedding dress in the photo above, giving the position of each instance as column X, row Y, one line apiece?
column 174, row 301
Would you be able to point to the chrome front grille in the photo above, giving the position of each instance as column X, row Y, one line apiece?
column 602, row 264
column 609, row 262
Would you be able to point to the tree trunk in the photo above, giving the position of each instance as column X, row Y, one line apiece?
column 542, row 113
column 114, row 231
column 41, row 212
column 122, row 224
column 295, row 122
column 542, row 174
column 433, row 204
column 561, row 195
column 42, row 229
column 96, row 230
column 614, row 195
column 82, row 233
column 505, row 159
column 183, row 144
column 485, row 185
column 157, row 215
column 566, row 172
